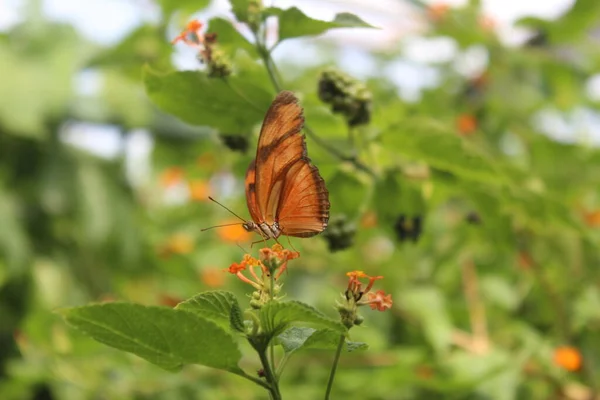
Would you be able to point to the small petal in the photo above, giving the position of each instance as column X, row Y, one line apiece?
column 379, row 300
column 235, row 267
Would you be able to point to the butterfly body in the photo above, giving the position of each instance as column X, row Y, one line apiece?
column 285, row 193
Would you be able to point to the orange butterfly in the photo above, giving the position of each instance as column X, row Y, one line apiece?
column 284, row 191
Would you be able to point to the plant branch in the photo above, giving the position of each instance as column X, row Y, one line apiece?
column 253, row 379
column 272, row 381
column 334, row 366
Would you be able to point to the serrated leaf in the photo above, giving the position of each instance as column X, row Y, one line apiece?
column 294, row 23
column 215, row 305
column 275, row 317
column 236, row 318
column 169, row 338
column 231, row 105
column 303, row 338
column 293, row 338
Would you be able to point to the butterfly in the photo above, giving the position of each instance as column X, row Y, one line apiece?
column 285, row 193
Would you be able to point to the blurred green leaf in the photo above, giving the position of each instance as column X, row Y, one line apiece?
column 14, row 244
column 428, row 306
column 347, row 193
column 229, row 38
column 145, row 45
column 186, row 6
column 431, row 142
column 166, row 337
column 230, row 105
column 294, row 23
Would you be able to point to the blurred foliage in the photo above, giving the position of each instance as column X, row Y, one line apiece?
column 485, row 228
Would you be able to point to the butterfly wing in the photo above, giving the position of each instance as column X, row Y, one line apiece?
column 251, row 193
column 304, row 204
column 281, row 183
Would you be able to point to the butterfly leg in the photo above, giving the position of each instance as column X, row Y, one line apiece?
column 291, row 245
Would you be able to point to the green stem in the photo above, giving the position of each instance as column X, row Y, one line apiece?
column 271, row 346
column 272, row 381
column 338, row 352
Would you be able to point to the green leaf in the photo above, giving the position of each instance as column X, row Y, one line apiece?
column 239, row 8
column 229, row 39
column 169, row 338
column 236, row 318
column 346, row 193
column 438, row 146
column 231, row 105
column 275, row 317
column 144, row 45
column 303, row 338
column 394, row 196
column 14, row 242
column 215, row 306
column 187, row 6
column 294, row 23
column 428, row 306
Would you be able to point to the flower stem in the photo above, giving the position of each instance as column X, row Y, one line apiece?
column 338, row 352
column 271, row 380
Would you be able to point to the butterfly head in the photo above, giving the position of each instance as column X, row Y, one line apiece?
column 250, row 226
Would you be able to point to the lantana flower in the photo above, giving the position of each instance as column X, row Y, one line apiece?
column 208, row 51
column 272, row 262
column 357, row 294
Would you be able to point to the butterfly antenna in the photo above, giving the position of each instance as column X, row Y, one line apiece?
column 213, row 200
column 218, row 226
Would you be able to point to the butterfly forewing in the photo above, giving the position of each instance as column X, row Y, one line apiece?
column 281, row 184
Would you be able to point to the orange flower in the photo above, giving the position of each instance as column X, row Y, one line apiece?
column 437, row 12
column 233, row 233
column 191, row 30
column 466, row 124
column 171, row 176
column 199, row 190
column 592, row 218
column 212, row 277
column 379, row 300
column 179, row 243
column 355, row 290
column 568, row 358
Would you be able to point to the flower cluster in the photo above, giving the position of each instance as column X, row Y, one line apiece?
column 346, row 95
column 355, row 296
column 208, row 50
column 272, row 263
